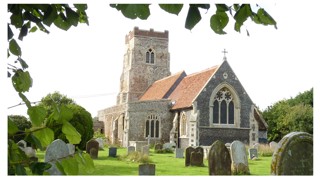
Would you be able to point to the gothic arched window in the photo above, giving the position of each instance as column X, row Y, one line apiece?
column 152, row 127
column 150, row 56
column 183, row 125
column 223, row 107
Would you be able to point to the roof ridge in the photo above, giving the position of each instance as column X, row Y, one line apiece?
column 202, row 71
column 180, row 72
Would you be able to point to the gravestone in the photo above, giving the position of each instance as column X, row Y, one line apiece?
column 219, row 161
column 112, row 152
column 145, row 150
column 71, row 148
column 189, row 150
column 29, row 151
column 294, row 155
column 22, row 144
column 56, row 151
column 130, row 149
column 92, row 148
column 253, row 153
column 273, row 145
column 196, row 158
column 179, row 153
column 138, row 144
column 256, row 146
column 101, row 143
column 147, row 169
column 169, row 146
column 239, row 158
column 158, row 146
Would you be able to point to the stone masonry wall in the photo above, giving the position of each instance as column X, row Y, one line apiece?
column 138, row 113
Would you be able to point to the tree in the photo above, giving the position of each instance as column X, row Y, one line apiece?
column 28, row 18
column 81, row 119
column 22, row 124
column 294, row 114
column 218, row 21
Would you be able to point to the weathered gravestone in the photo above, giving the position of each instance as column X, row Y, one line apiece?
column 112, row 152
column 294, row 155
column 56, row 151
column 145, row 150
column 92, row 148
column 194, row 156
column 71, row 148
column 130, row 149
column 179, row 153
column 273, row 145
column 253, row 153
column 239, row 158
column 147, row 169
column 101, row 143
column 219, row 161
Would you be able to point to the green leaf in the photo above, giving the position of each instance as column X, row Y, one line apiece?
column 83, row 18
column 61, row 22
column 236, row 7
column 193, row 17
column 71, row 133
column 25, row 99
column 20, row 170
column 37, row 115
column 33, row 140
column 172, row 8
column 72, row 17
column 60, row 168
column 10, row 33
column 21, row 81
column 222, row 7
column 45, row 136
column 85, row 163
column 38, row 168
column 50, row 15
column 12, row 127
column 42, row 28
column 241, row 15
column 265, row 18
column 218, row 22
column 14, row 48
column 33, row 29
column 203, row 6
column 17, row 20
column 23, row 64
column 133, row 11
column 31, row 17
column 81, row 7
column 70, row 166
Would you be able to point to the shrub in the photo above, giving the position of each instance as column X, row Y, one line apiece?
column 136, row 157
column 162, row 151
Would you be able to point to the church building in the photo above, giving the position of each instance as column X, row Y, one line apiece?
column 154, row 105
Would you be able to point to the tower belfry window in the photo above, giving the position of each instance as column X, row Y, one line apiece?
column 150, row 56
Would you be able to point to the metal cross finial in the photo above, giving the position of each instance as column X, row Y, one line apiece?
column 224, row 54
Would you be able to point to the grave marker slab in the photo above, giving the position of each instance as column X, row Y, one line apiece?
column 55, row 152
column 239, row 158
column 112, row 152
column 92, row 148
column 147, row 169
column 219, row 161
column 253, row 153
column 130, row 149
column 294, row 155
column 179, row 153
column 189, row 150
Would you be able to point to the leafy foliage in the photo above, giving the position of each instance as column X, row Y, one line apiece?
column 27, row 18
column 218, row 21
column 294, row 114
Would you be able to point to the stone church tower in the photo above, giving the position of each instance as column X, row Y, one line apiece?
column 146, row 60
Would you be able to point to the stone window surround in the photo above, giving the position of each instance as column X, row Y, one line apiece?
column 149, row 57
column 236, row 102
column 155, row 118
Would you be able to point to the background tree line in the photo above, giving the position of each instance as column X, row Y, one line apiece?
column 294, row 114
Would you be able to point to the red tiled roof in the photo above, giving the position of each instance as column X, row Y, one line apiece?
column 160, row 88
column 190, row 87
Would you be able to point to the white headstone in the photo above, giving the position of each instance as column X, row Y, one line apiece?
column 273, row 145
column 239, row 158
column 101, row 143
column 56, row 151
column 71, row 148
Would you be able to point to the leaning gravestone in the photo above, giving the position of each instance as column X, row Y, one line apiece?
column 196, row 158
column 219, row 161
column 92, row 148
column 239, row 158
column 294, row 155
column 56, row 151
column 147, row 169
column 112, row 152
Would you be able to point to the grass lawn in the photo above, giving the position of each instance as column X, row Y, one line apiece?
column 166, row 165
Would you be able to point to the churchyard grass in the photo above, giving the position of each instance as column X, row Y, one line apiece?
column 166, row 165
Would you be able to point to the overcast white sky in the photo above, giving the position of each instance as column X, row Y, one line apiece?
column 85, row 63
